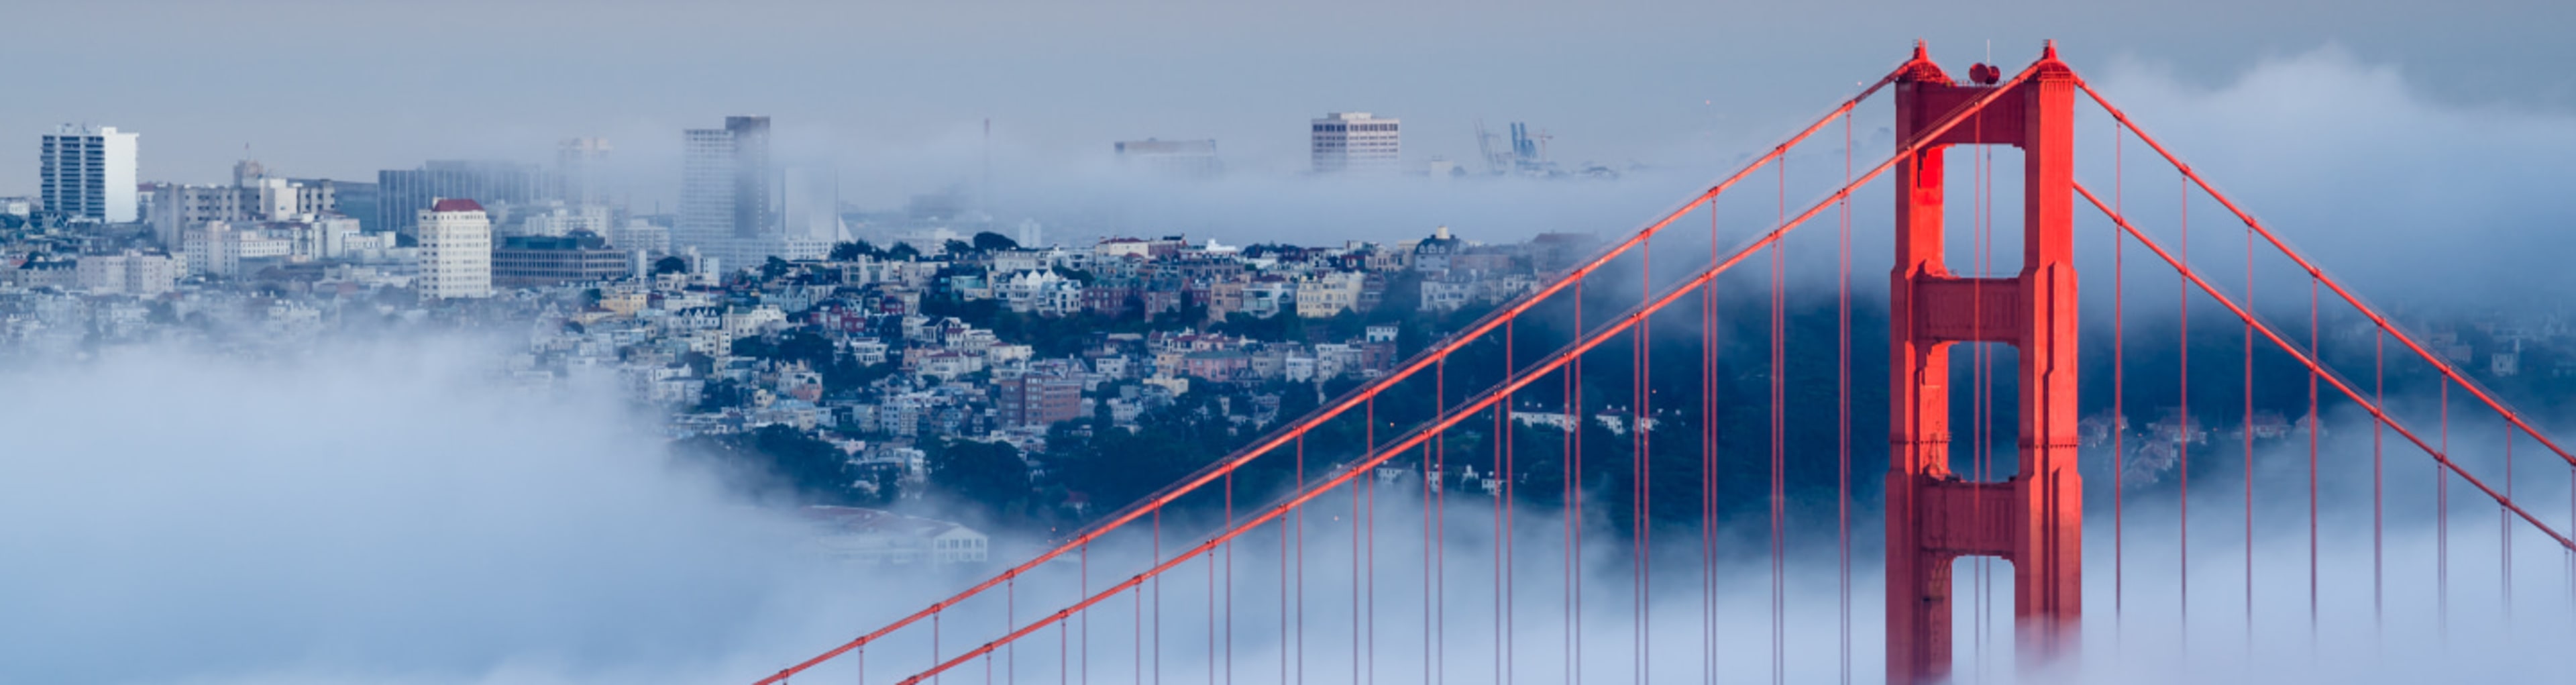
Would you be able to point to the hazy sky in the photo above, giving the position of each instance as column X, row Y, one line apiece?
column 893, row 91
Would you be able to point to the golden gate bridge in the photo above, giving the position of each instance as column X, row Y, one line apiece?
column 1940, row 508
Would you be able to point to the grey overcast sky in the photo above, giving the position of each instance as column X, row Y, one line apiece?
column 343, row 88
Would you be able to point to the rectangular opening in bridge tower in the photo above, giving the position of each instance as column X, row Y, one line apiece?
column 1981, row 616
column 2033, row 519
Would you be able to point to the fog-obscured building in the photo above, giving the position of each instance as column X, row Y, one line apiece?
column 1356, row 141
column 876, row 537
column 129, row 273
column 1191, row 159
column 401, row 194
column 726, row 200
column 580, row 161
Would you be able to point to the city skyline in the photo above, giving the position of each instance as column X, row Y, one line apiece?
column 681, row 341
column 902, row 111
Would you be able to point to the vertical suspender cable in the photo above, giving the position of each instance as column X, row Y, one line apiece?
column 1084, row 561
column 2442, row 525
column 1985, row 386
column 1642, row 463
column 1495, row 471
column 2182, row 447
column 1575, row 495
column 1229, row 581
column 1779, row 333
column 1010, row 621
column 2378, row 485
column 2119, row 392
column 1709, row 388
column 1136, row 641
column 1511, row 480
column 1158, row 598
column 1211, row 616
column 1287, row 630
column 2248, row 438
column 1842, row 413
column 1440, row 531
column 1294, row 642
column 2314, row 426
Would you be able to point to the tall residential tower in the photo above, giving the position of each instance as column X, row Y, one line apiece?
column 728, row 205
column 455, row 249
column 89, row 173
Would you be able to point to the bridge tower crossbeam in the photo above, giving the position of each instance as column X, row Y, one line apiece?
column 2034, row 520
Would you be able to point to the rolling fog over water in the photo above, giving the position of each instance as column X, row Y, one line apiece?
column 387, row 508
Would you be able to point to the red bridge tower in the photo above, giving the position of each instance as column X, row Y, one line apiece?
column 2033, row 520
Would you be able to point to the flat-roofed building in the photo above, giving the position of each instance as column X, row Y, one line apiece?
column 577, row 257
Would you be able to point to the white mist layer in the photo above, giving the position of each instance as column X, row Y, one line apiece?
column 382, row 514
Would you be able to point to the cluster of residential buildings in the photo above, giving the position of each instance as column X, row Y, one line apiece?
column 671, row 339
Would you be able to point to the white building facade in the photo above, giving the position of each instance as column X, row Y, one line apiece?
column 455, row 250
column 1356, row 142
column 129, row 273
column 89, row 173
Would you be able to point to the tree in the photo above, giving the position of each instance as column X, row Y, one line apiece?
column 989, row 241
column 720, row 394
column 670, row 265
column 853, row 250
column 988, row 473
column 782, row 455
column 902, row 252
column 773, row 268
column 958, row 247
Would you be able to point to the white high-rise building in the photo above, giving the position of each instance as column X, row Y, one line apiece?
column 728, row 205
column 455, row 250
column 1355, row 141
column 89, row 173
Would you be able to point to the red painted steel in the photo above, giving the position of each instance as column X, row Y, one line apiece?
column 1572, row 353
column 1935, row 516
column 2377, row 412
column 1426, row 358
column 2034, row 519
column 2314, row 271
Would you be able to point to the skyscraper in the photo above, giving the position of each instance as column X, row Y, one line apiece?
column 402, row 193
column 1355, row 141
column 579, row 161
column 89, row 173
column 455, row 249
column 727, row 203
